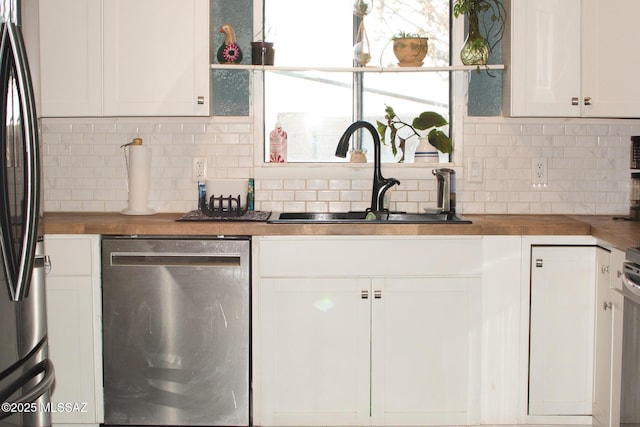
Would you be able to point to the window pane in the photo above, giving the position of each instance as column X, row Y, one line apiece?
column 309, row 33
column 409, row 94
column 315, row 108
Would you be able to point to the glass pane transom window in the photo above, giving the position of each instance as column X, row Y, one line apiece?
column 315, row 107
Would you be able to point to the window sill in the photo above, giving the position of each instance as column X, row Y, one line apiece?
column 346, row 170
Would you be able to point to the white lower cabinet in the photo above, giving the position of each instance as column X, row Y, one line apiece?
column 315, row 351
column 500, row 330
column 608, row 339
column 423, row 334
column 367, row 331
column 575, row 333
column 74, row 325
column 561, row 330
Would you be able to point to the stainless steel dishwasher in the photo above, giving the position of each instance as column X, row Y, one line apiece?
column 176, row 331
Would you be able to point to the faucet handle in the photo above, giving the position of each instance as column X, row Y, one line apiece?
column 377, row 199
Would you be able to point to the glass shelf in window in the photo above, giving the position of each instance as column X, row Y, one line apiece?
column 368, row 69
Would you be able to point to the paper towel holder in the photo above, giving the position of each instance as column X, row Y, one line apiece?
column 137, row 182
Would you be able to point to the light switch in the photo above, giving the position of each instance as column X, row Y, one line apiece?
column 474, row 170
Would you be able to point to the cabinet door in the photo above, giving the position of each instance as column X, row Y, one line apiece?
column 610, row 62
column 73, row 320
column 424, row 350
column 617, row 314
column 561, row 330
column 70, row 58
column 618, row 258
column 315, row 347
column 545, row 58
column 603, row 341
column 156, row 57
column 71, row 341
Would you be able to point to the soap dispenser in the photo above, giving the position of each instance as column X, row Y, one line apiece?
column 446, row 189
column 278, row 145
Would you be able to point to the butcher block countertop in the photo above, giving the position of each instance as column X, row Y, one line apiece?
column 621, row 233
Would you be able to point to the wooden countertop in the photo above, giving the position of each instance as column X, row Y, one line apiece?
column 622, row 234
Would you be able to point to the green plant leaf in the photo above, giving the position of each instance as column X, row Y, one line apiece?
column 389, row 113
column 428, row 119
column 382, row 130
column 392, row 139
column 439, row 140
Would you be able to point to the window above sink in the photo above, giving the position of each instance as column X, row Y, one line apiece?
column 315, row 91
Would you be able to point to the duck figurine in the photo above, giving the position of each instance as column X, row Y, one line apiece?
column 229, row 52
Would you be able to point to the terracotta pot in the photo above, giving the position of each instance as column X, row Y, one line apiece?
column 410, row 51
column 358, row 156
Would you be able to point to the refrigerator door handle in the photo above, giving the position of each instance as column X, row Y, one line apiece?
column 45, row 367
column 20, row 364
column 19, row 266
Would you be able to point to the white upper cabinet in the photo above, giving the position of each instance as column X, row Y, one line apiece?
column 125, row 58
column 71, row 58
column 156, row 57
column 545, row 57
column 610, row 61
column 569, row 59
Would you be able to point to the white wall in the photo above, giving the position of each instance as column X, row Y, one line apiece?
column 588, row 163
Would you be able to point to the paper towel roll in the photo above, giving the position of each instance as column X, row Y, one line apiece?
column 139, row 167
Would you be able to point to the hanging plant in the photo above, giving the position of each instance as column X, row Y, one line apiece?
column 491, row 30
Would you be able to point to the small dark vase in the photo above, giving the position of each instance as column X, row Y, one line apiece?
column 475, row 50
column 262, row 53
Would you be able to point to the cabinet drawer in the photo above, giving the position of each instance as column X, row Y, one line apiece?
column 69, row 256
column 331, row 256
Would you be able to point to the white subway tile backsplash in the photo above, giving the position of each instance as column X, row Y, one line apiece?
column 305, row 195
column 328, row 195
column 317, row 184
column 317, row 207
column 339, row 184
column 353, row 196
column 339, row 206
column 588, row 166
column 293, row 207
column 293, row 184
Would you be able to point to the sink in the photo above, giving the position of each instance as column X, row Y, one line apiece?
column 366, row 217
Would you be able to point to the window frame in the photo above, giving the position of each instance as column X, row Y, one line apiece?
column 324, row 170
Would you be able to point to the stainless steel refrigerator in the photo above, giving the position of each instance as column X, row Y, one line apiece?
column 26, row 373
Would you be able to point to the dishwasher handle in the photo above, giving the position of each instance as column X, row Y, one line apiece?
column 154, row 259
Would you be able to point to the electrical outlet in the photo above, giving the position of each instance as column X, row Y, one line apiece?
column 199, row 169
column 539, row 172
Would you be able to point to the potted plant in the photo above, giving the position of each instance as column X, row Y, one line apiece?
column 410, row 49
column 262, row 51
column 480, row 42
column 427, row 120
